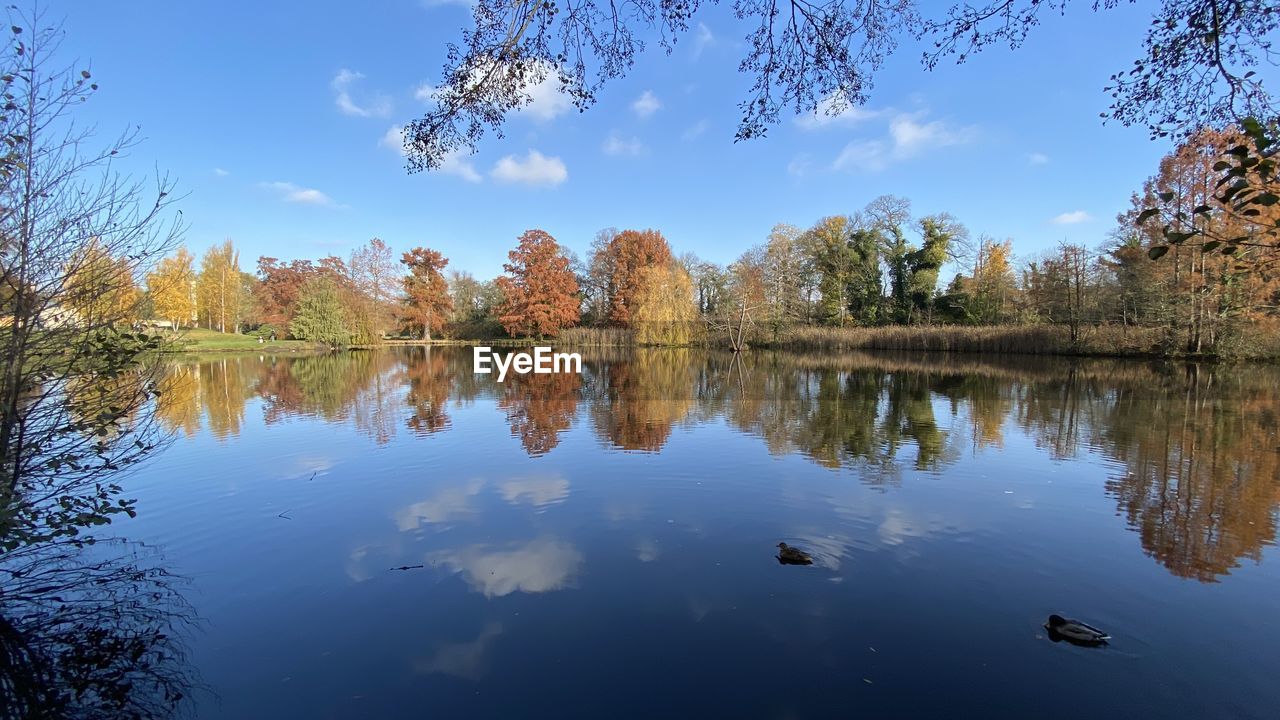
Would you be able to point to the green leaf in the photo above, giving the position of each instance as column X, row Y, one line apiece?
column 1157, row 251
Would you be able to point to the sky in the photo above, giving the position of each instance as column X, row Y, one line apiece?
column 278, row 121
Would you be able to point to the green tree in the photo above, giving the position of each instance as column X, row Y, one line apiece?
column 319, row 316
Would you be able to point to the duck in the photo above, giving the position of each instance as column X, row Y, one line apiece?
column 788, row 555
column 1075, row 632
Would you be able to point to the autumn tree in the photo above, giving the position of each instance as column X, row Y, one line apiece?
column 992, row 284
column 629, row 253
column 663, row 312
column 540, row 292
column 172, row 286
column 219, row 286
column 100, row 287
column 426, row 302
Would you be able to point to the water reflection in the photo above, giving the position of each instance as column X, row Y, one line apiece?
column 1195, row 450
column 90, row 635
column 537, row 566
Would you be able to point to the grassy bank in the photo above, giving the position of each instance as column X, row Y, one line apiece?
column 200, row 340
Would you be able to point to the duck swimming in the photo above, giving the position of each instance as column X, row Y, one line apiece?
column 1075, row 632
column 788, row 555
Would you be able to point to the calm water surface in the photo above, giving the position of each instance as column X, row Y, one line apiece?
column 386, row 535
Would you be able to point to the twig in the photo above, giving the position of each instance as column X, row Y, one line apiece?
column 282, row 515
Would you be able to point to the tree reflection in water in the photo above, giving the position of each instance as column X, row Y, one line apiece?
column 95, row 634
column 1199, row 480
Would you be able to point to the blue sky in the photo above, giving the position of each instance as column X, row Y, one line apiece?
column 274, row 119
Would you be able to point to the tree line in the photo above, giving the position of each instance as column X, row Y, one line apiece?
column 879, row 266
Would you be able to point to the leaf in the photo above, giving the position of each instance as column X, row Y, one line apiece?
column 1157, row 251
column 1146, row 215
column 1165, row 196
column 1210, row 246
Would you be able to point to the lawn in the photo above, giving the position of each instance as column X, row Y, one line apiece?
column 201, row 340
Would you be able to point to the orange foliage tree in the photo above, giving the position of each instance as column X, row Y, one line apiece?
column 540, row 292
column 427, row 302
column 631, row 252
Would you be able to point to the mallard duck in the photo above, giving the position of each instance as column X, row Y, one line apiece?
column 788, row 555
column 1074, row 632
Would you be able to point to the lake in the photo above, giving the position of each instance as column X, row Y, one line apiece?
column 384, row 534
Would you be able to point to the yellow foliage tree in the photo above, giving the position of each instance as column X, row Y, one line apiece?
column 172, row 287
column 219, row 287
column 664, row 312
column 100, row 288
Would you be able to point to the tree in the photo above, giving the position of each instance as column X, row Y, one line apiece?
column 663, row 310
column 373, row 271
column 427, row 301
column 100, row 287
column 540, row 292
column 938, row 232
column 827, row 243
column 320, row 316
column 630, row 252
column 219, row 286
column 75, row 392
column 1195, row 68
column 786, row 277
column 277, row 289
column 992, row 284
column 596, row 279
column 172, row 286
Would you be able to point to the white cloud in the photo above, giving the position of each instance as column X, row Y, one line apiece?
column 702, row 39
column 378, row 105
column 832, row 111
column 547, row 101
column 541, row 565
column 800, row 166
column 535, row 169
column 393, row 138
column 425, row 93
column 911, row 137
column 646, row 105
column 868, row 155
column 694, row 131
column 1036, row 158
column 615, row 145
column 295, row 194
column 537, row 492
column 448, row 505
column 1074, row 217
column 455, row 163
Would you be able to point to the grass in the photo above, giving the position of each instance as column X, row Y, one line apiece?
column 197, row 340
column 1102, row 340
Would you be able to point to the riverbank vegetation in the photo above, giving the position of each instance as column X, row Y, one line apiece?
column 873, row 278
